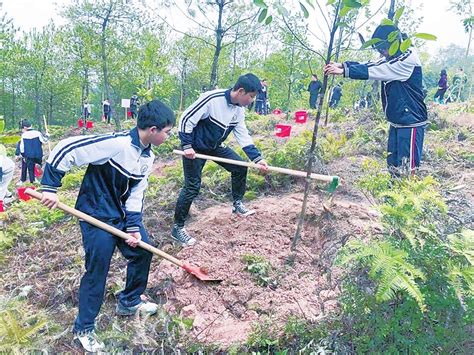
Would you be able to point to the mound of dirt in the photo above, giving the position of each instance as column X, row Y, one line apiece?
column 299, row 284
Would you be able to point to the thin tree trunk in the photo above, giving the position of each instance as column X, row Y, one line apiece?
column 218, row 48
column 336, row 59
column 290, row 79
column 469, row 41
column 315, row 133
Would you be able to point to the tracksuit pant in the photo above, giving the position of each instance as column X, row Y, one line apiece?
column 192, row 180
column 28, row 165
column 99, row 247
column 405, row 147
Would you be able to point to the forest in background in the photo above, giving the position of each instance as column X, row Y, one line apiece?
column 115, row 48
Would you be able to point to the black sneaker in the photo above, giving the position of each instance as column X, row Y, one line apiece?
column 180, row 235
column 241, row 210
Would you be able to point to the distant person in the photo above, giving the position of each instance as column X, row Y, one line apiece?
column 261, row 99
column 106, row 109
column 336, row 94
column 204, row 126
column 134, row 103
column 402, row 97
column 87, row 110
column 7, row 166
column 314, row 89
column 31, row 150
column 459, row 82
column 113, row 191
column 442, row 87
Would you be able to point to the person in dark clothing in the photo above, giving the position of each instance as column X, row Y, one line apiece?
column 87, row 110
column 203, row 128
column 336, row 94
column 31, row 150
column 113, row 191
column 106, row 109
column 134, row 102
column 314, row 89
column 442, row 87
column 262, row 97
column 402, row 97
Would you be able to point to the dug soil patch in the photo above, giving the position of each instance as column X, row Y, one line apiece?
column 298, row 284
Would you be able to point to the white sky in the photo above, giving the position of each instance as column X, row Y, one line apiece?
column 445, row 24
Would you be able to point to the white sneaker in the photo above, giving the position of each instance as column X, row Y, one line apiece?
column 89, row 341
column 147, row 308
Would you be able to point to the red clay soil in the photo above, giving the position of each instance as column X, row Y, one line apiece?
column 224, row 313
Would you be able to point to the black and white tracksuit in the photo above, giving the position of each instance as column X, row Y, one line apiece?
column 204, row 126
column 402, row 101
column 112, row 191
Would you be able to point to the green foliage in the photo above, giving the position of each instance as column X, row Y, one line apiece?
column 332, row 147
column 389, row 267
column 259, row 267
column 73, row 179
column 20, row 326
column 263, row 336
column 9, row 139
column 165, row 150
column 409, row 206
column 375, row 180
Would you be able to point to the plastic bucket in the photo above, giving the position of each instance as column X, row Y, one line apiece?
column 80, row 123
column 276, row 111
column 21, row 193
column 301, row 116
column 89, row 125
column 282, row 130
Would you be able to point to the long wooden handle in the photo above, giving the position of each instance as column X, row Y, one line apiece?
column 46, row 129
column 108, row 228
column 325, row 178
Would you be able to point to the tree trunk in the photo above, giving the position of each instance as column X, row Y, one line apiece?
column 183, row 84
column 290, row 78
column 315, row 132
column 218, row 48
column 469, row 41
column 336, row 59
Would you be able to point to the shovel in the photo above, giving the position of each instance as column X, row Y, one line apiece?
column 332, row 180
column 200, row 273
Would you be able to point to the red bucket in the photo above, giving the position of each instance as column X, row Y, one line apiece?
column 276, row 111
column 282, row 130
column 38, row 171
column 80, row 123
column 301, row 116
column 1, row 206
column 21, row 193
column 89, row 125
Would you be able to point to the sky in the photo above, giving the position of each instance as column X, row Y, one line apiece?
column 446, row 25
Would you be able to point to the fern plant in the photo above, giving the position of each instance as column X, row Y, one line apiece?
column 18, row 328
column 388, row 267
column 408, row 206
column 461, row 264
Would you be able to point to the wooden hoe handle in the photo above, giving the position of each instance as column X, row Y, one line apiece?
column 108, row 228
column 325, row 178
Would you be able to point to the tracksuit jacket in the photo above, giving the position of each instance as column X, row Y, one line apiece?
column 31, row 144
column 207, row 123
column 116, row 179
column 402, row 87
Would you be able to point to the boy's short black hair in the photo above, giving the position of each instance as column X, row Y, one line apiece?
column 249, row 82
column 25, row 124
column 382, row 33
column 155, row 113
